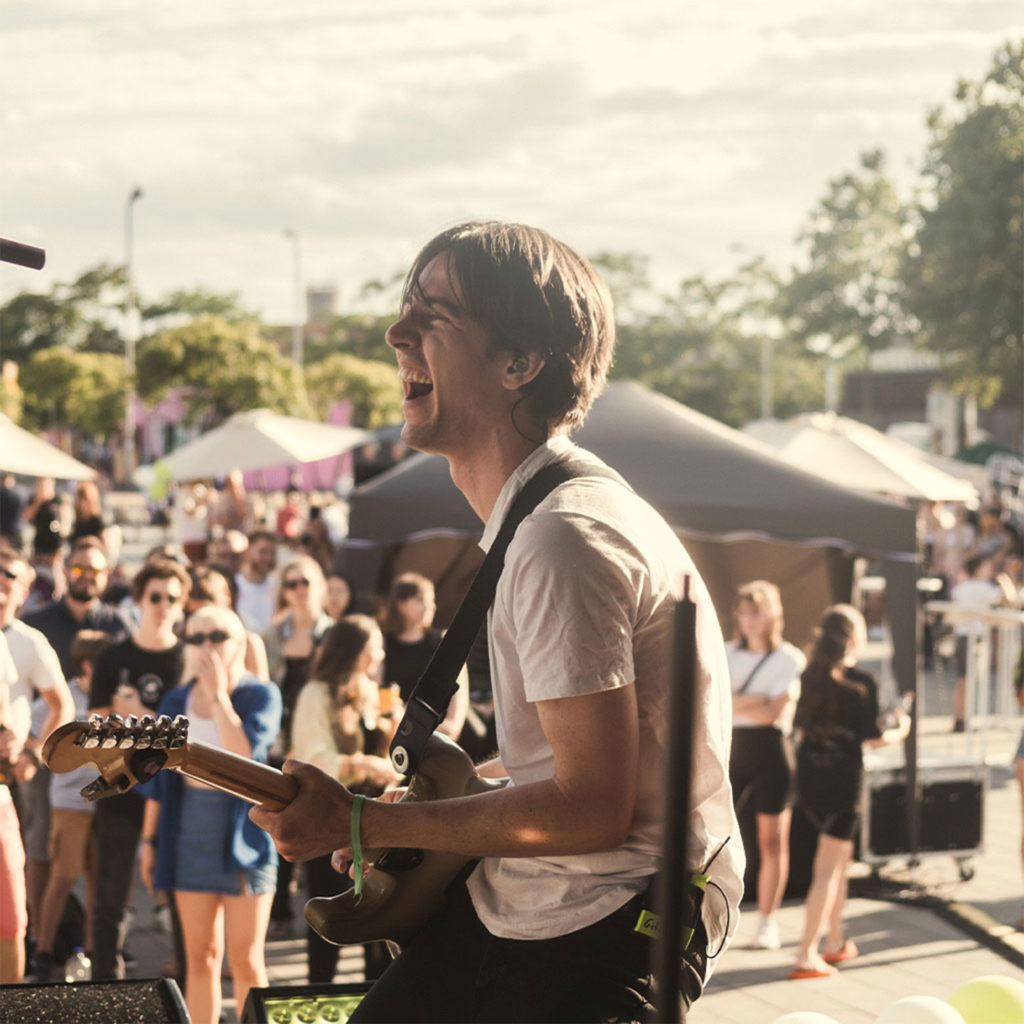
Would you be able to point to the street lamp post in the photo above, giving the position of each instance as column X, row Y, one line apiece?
column 131, row 334
column 298, row 320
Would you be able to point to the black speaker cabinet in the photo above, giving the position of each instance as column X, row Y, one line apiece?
column 303, row 1004
column 951, row 808
column 153, row 1001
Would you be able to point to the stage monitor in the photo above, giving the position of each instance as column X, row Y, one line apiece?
column 303, row 1004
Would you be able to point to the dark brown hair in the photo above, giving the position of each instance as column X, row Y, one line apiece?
column 408, row 584
column 161, row 569
column 339, row 652
column 532, row 293
column 817, row 707
column 87, row 645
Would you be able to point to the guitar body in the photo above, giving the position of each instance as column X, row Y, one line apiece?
column 404, row 888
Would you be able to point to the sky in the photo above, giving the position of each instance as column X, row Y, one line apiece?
column 697, row 134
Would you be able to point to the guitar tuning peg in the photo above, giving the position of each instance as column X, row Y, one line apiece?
column 179, row 734
column 162, row 733
column 129, row 738
column 111, row 731
column 92, row 735
column 146, row 731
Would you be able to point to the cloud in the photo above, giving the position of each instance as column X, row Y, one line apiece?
column 366, row 126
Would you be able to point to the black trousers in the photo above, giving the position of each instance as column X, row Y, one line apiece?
column 117, row 825
column 455, row 970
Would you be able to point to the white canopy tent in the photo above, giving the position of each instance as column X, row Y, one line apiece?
column 861, row 458
column 28, row 454
column 260, row 439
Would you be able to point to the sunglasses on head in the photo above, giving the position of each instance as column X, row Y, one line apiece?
column 160, row 598
column 296, row 583
column 76, row 572
column 215, row 636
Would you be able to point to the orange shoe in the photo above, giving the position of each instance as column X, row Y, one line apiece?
column 802, row 973
column 848, row 951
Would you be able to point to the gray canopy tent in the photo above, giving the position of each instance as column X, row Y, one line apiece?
column 742, row 512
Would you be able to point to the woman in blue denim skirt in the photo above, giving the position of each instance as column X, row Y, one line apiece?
column 199, row 841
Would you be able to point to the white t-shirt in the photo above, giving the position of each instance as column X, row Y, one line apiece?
column 974, row 595
column 256, row 602
column 779, row 674
column 35, row 659
column 66, row 787
column 14, row 715
column 585, row 604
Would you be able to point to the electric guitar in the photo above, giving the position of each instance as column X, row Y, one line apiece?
column 402, row 889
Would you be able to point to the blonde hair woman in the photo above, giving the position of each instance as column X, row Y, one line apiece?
column 291, row 640
column 765, row 674
column 199, row 841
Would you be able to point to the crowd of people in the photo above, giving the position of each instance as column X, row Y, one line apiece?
column 256, row 643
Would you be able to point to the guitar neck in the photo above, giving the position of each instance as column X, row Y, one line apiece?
column 258, row 783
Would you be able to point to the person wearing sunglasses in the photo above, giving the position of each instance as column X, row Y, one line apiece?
column 131, row 678
column 199, row 842
column 88, row 573
column 291, row 642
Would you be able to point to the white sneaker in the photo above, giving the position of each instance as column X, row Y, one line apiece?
column 767, row 935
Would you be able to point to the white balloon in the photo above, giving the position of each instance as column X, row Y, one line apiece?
column 920, row 1010
column 805, row 1017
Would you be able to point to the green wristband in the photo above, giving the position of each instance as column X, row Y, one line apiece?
column 355, row 839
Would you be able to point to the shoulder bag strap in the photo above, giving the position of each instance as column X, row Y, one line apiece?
column 754, row 671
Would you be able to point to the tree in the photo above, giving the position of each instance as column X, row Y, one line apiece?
column 372, row 388
column 222, row 368
column 181, row 306
column 963, row 270
column 84, row 391
column 77, row 315
column 850, row 292
column 356, row 334
column 703, row 347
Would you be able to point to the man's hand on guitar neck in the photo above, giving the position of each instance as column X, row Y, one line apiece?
column 315, row 822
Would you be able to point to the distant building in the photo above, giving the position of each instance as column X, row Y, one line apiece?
column 905, row 385
column 321, row 302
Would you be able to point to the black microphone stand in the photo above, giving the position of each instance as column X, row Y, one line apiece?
column 674, row 872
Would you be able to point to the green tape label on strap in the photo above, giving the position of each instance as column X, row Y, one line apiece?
column 648, row 924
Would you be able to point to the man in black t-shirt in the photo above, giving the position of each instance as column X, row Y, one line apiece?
column 131, row 678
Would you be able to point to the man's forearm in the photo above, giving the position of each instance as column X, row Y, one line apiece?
column 539, row 819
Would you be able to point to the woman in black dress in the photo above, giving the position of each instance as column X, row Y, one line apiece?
column 836, row 715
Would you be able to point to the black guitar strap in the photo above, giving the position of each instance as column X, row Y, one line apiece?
column 428, row 702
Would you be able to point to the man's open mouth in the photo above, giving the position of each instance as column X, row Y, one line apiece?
column 414, row 383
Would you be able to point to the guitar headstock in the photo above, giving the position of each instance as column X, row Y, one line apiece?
column 124, row 750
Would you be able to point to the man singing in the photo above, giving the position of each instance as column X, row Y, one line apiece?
column 504, row 341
